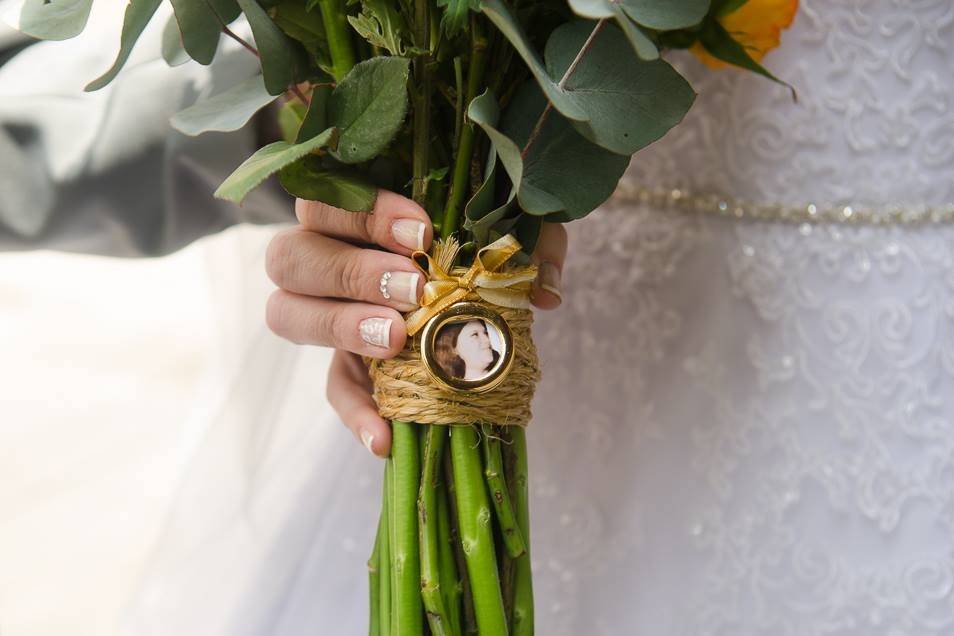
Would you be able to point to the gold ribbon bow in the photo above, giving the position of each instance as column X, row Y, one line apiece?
column 483, row 280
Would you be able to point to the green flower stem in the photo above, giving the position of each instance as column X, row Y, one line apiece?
column 523, row 583
column 335, row 18
column 406, row 608
column 450, row 582
column 476, row 532
column 494, row 473
column 421, row 97
column 383, row 545
column 465, row 146
column 470, row 621
column 389, row 484
column 374, row 581
column 427, row 518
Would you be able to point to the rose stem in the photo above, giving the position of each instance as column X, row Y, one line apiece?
column 470, row 622
column 406, row 606
column 450, row 583
column 383, row 546
column 374, row 580
column 494, row 472
column 338, row 32
column 465, row 145
column 427, row 519
column 523, row 584
column 476, row 532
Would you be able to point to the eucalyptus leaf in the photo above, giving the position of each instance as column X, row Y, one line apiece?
column 560, row 164
column 172, row 50
column 345, row 189
column 644, row 47
column 201, row 22
column 229, row 110
column 269, row 160
column 369, row 105
column 721, row 8
column 137, row 16
column 480, row 215
column 304, row 25
column 668, row 15
column 631, row 102
column 278, row 61
column 498, row 13
column 53, row 19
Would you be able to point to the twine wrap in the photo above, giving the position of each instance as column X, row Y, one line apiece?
column 404, row 391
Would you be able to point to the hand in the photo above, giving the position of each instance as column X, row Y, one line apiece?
column 330, row 293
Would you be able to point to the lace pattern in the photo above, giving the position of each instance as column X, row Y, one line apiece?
column 760, row 429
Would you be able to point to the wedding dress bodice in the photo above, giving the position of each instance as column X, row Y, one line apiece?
column 873, row 124
column 747, row 426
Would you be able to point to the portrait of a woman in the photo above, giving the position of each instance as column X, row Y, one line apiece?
column 464, row 350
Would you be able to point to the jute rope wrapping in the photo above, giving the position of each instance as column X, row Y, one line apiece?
column 404, row 391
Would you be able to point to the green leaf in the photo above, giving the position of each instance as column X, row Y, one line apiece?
column 53, row 19
column 201, row 22
column 382, row 24
column 316, row 117
column 269, row 160
column 456, row 13
column 721, row 8
column 278, row 62
column 290, row 116
column 501, row 17
column 369, row 106
column 137, row 16
column 172, row 51
column 720, row 44
column 226, row 111
column 345, row 189
column 480, row 215
column 305, row 26
column 631, row 102
column 644, row 47
column 563, row 171
column 666, row 16
column 560, row 164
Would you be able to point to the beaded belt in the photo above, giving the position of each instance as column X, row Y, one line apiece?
column 685, row 201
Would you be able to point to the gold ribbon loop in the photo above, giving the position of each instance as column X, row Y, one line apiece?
column 486, row 279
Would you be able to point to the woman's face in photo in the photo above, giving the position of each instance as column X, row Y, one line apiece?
column 473, row 347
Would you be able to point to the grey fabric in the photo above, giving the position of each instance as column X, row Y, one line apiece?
column 150, row 196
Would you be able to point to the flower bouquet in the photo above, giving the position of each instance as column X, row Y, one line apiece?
column 495, row 116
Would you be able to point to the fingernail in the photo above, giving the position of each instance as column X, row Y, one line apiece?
column 402, row 286
column 367, row 439
column 549, row 278
column 376, row 331
column 409, row 233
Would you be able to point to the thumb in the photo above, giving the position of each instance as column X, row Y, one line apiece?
column 549, row 257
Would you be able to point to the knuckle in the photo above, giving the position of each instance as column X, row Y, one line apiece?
column 349, row 275
column 279, row 257
column 276, row 313
column 337, row 328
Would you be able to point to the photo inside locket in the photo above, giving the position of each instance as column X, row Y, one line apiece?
column 468, row 349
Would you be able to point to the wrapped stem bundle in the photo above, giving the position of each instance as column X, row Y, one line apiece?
column 495, row 116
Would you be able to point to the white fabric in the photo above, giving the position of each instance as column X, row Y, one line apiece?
column 753, row 437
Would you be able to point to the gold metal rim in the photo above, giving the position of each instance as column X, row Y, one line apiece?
column 455, row 313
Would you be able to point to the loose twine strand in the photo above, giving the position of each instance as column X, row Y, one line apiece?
column 404, row 391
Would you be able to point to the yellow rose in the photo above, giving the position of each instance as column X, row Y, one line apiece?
column 757, row 25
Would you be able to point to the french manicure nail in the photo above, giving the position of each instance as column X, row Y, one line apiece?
column 367, row 439
column 376, row 331
column 409, row 233
column 549, row 277
column 401, row 286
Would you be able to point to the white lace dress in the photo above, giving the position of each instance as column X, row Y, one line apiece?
column 746, row 421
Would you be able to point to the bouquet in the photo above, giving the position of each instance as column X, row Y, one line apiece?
column 495, row 116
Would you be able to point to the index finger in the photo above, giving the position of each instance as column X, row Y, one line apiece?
column 397, row 223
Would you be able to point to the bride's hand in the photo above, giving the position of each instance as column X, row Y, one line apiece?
column 331, row 271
